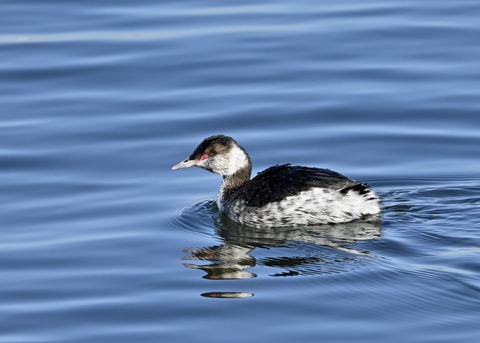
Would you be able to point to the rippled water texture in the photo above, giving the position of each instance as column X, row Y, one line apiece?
column 102, row 242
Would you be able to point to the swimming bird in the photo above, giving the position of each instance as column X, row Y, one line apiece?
column 282, row 195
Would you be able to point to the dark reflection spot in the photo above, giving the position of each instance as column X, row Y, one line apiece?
column 227, row 295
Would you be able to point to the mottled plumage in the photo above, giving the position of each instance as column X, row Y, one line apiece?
column 282, row 195
column 264, row 188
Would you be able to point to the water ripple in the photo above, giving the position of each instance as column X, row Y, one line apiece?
column 99, row 100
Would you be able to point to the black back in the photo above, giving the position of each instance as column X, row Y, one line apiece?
column 277, row 182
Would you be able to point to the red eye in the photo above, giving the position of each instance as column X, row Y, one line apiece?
column 204, row 156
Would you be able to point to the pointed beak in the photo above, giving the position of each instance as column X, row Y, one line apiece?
column 184, row 164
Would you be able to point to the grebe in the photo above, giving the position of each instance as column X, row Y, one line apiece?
column 282, row 195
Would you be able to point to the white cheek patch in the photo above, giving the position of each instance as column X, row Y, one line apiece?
column 228, row 164
column 237, row 160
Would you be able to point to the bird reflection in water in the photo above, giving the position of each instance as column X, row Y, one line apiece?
column 310, row 250
column 226, row 261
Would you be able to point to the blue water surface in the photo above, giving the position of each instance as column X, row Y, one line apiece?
column 102, row 242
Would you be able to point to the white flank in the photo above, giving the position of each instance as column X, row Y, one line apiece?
column 315, row 206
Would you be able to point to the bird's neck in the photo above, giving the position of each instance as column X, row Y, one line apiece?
column 232, row 183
